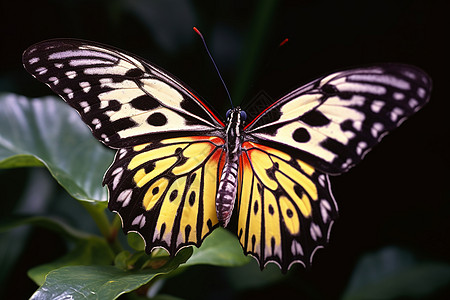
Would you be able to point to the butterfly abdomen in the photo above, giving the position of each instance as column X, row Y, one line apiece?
column 226, row 193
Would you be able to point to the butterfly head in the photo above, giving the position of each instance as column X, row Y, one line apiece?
column 236, row 115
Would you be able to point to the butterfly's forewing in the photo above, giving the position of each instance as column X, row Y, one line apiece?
column 122, row 98
column 165, row 190
column 285, row 207
column 332, row 122
column 163, row 180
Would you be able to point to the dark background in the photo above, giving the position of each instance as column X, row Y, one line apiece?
column 398, row 196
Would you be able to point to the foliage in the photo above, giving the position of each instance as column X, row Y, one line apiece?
column 77, row 162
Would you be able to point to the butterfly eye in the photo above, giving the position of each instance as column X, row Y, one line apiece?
column 227, row 115
column 243, row 115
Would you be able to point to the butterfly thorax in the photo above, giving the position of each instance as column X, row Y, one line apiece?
column 226, row 193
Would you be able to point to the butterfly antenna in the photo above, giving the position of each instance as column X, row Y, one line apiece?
column 283, row 42
column 214, row 63
column 273, row 53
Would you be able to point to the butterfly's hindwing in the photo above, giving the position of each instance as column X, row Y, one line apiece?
column 285, row 207
column 334, row 121
column 165, row 190
column 122, row 98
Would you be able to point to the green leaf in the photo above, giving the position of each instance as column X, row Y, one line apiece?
column 48, row 132
column 394, row 273
column 138, row 260
column 122, row 259
column 220, row 248
column 18, row 160
column 100, row 282
column 135, row 241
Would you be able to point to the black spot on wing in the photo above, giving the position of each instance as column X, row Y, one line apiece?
column 315, row 118
column 187, row 232
column 253, row 242
column 134, row 73
column 289, row 213
column 301, row 135
column 157, row 119
column 173, row 195
column 329, row 90
column 255, row 208
column 260, row 189
column 144, row 102
column 298, row 190
column 150, row 166
column 192, row 198
column 192, row 178
column 155, row 190
column 271, row 210
column 114, row 105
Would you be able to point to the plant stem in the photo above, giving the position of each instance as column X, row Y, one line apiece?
column 108, row 230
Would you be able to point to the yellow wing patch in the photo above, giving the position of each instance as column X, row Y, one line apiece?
column 166, row 190
column 284, row 205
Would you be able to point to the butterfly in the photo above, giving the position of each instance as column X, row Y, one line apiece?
column 180, row 170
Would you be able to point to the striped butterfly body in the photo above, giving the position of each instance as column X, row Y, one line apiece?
column 179, row 168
